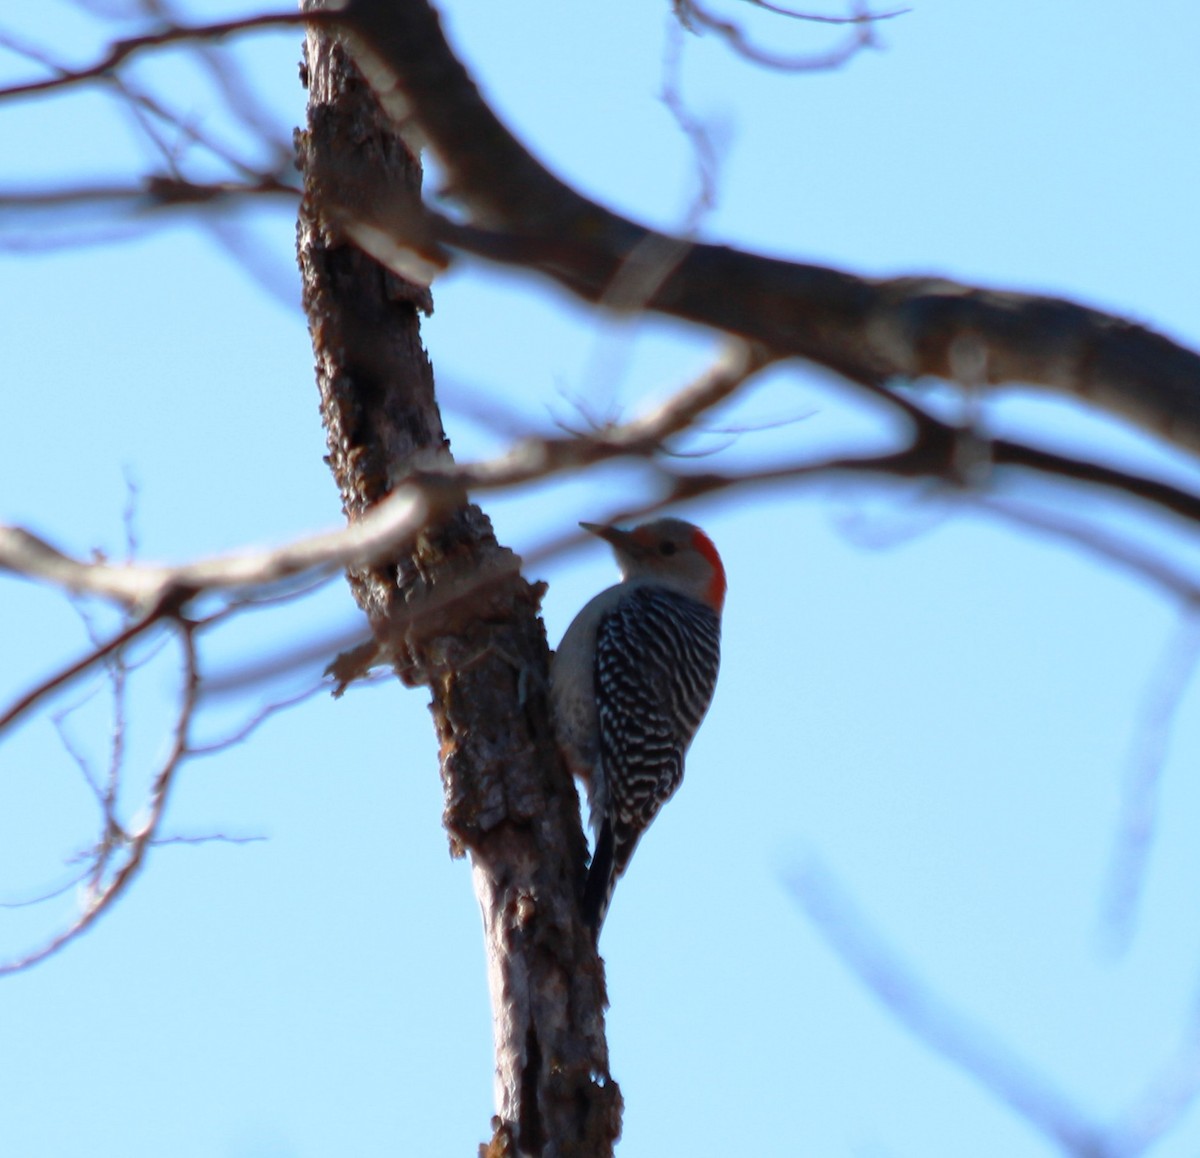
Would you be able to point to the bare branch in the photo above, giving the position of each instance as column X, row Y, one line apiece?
column 704, row 150
column 147, row 109
column 1151, row 744
column 388, row 524
column 256, row 721
column 1166, row 1099
column 1097, row 542
column 138, row 585
column 869, row 331
column 949, row 1032
column 207, row 838
column 102, row 894
column 50, row 894
column 155, row 192
column 1052, row 464
column 75, row 669
column 121, row 50
column 77, row 755
column 234, row 86
column 933, row 452
column 692, row 14
column 860, row 17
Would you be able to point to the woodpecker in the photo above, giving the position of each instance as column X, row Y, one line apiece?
column 630, row 683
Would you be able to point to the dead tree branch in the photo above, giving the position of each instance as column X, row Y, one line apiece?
column 130, row 847
column 861, row 36
column 870, row 331
column 950, row 1032
column 933, row 450
column 121, row 51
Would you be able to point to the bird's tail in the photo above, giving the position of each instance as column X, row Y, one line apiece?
column 601, row 880
column 615, row 843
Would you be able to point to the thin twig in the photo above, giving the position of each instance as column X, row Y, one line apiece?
column 1170, row 1094
column 704, row 150
column 206, row 838
column 121, row 50
column 51, row 894
column 863, row 17
column 73, row 670
column 949, row 1032
column 1139, row 808
column 104, row 894
column 692, row 13
column 260, row 717
column 1097, row 541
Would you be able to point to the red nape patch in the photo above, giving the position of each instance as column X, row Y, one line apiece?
column 716, row 589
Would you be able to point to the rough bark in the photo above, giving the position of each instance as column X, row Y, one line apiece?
column 478, row 646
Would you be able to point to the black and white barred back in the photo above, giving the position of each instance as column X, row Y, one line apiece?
column 657, row 656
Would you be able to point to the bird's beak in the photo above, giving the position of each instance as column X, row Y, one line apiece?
column 613, row 535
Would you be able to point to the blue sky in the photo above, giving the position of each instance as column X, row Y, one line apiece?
column 939, row 707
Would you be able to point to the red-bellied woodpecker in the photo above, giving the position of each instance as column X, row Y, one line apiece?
column 631, row 682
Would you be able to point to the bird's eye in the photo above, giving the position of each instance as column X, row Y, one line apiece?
column 666, row 548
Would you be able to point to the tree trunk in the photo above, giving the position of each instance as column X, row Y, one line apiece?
column 454, row 614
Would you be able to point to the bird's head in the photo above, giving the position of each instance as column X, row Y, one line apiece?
column 669, row 551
